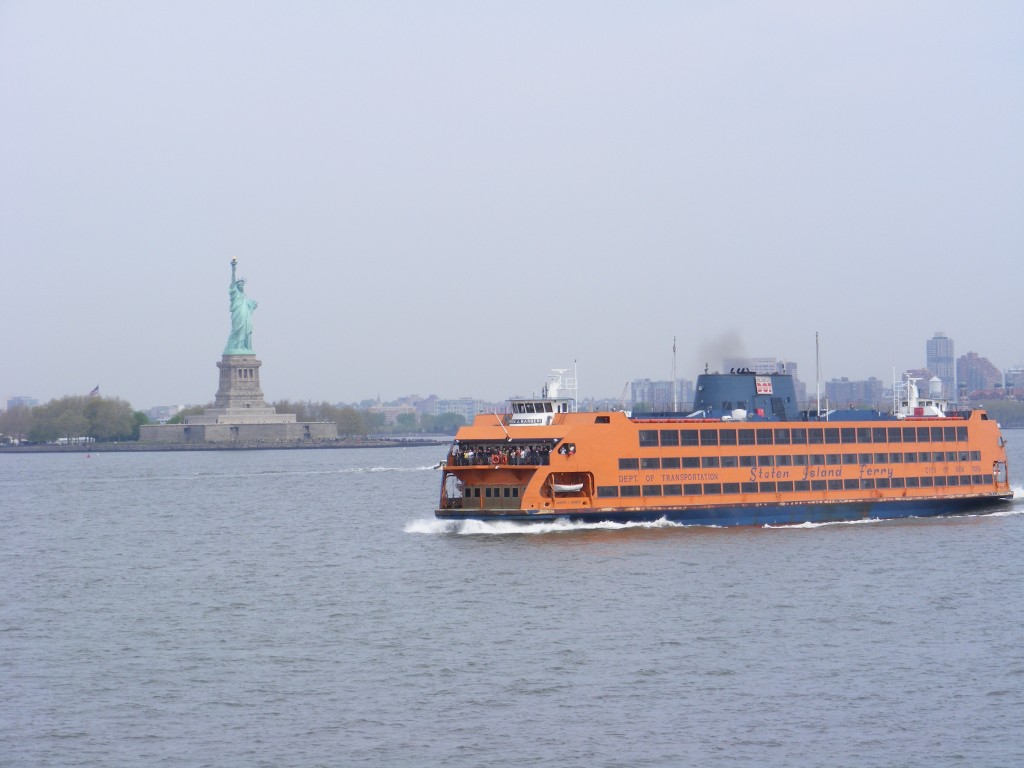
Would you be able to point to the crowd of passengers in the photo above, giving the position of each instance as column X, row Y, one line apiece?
column 468, row 455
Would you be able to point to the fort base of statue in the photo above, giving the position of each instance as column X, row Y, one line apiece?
column 239, row 414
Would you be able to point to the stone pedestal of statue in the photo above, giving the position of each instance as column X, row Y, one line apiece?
column 239, row 398
column 239, row 383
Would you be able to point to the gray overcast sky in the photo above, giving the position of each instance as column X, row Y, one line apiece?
column 455, row 197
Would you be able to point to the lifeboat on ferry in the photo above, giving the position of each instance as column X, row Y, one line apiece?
column 567, row 487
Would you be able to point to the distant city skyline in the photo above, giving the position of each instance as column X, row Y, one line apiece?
column 977, row 368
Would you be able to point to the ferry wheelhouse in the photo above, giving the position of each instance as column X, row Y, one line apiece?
column 745, row 455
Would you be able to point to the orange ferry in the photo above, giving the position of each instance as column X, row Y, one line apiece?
column 744, row 456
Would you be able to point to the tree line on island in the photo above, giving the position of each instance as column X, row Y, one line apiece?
column 73, row 418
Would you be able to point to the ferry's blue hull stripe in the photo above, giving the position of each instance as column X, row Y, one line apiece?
column 748, row 515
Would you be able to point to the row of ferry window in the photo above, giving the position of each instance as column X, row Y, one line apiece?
column 801, row 460
column 493, row 492
column 795, row 486
column 652, row 438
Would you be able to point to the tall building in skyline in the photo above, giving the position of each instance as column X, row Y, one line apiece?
column 843, row 393
column 940, row 361
column 977, row 374
column 655, row 395
column 660, row 395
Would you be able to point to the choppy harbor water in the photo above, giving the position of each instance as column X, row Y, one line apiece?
column 303, row 608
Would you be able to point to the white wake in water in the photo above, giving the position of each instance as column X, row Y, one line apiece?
column 502, row 528
column 1016, row 506
column 795, row 526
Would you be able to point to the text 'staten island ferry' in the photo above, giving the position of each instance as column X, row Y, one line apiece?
column 746, row 456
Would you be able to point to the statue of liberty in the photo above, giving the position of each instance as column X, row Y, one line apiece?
column 242, row 307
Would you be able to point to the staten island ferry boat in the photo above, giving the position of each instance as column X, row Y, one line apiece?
column 745, row 455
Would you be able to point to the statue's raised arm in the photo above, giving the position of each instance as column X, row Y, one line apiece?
column 242, row 307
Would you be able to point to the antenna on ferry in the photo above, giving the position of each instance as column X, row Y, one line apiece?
column 817, row 375
column 675, row 387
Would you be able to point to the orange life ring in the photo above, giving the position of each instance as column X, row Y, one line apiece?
column 496, row 459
